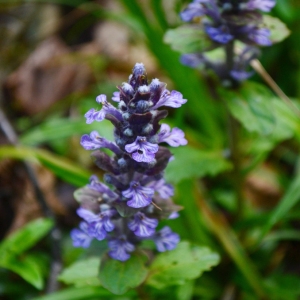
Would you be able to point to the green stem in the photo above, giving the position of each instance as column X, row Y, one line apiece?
column 229, row 51
column 235, row 155
column 233, row 137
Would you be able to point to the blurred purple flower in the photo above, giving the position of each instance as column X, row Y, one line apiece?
column 93, row 115
column 165, row 239
column 263, row 5
column 173, row 215
column 174, row 138
column 141, row 150
column 99, row 224
column 219, row 34
column 142, row 226
column 139, row 196
column 119, row 248
column 100, row 187
column 95, row 141
column 80, row 237
column 261, row 36
column 164, row 189
column 194, row 9
column 240, row 75
column 192, row 60
column 173, row 99
column 116, row 97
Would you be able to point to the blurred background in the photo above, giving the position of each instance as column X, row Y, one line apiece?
column 56, row 57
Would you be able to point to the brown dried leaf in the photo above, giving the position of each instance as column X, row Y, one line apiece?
column 262, row 187
column 47, row 76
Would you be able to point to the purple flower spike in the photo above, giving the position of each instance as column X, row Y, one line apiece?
column 173, row 99
column 141, row 150
column 80, row 236
column 142, row 226
column 194, row 9
column 220, row 34
column 139, row 196
column 174, row 138
column 122, row 210
column 165, row 239
column 99, row 224
column 120, row 248
column 263, row 5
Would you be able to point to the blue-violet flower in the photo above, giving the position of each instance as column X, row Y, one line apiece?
column 127, row 209
column 224, row 22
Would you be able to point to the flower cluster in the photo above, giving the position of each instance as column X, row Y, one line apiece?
column 226, row 21
column 127, row 209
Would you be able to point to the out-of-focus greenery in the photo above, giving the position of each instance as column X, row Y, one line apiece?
column 228, row 210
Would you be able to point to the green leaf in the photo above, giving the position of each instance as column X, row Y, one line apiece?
column 57, row 129
column 25, row 238
column 286, row 126
column 63, row 168
column 27, row 267
column 278, row 29
column 77, row 293
column 184, row 263
column 290, row 198
column 195, row 163
column 82, row 273
column 118, row 277
column 11, row 248
column 188, row 39
column 60, row 166
column 185, row 291
column 250, row 104
column 287, row 121
column 216, row 55
column 283, row 234
column 283, row 287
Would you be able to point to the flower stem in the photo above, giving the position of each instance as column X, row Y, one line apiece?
column 235, row 155
column 233, row 137
column 229, row 51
